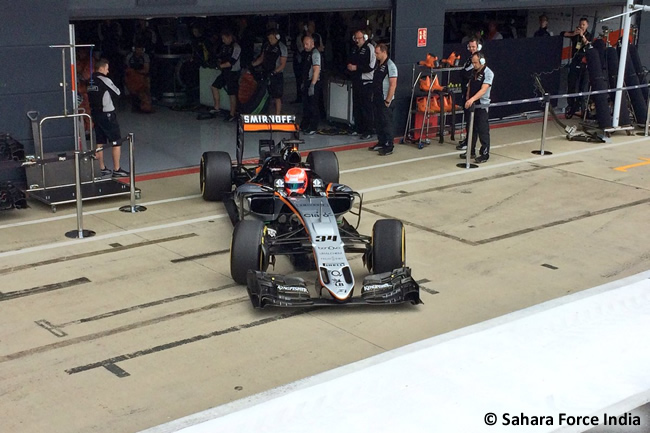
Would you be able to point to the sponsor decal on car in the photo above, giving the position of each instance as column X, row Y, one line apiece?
column 292, row 288
column 270, row 118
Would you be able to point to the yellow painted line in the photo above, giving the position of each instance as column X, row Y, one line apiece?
column 625, row 167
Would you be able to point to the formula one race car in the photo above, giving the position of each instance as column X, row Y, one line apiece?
column 284, row 206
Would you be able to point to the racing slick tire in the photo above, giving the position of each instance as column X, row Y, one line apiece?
column 247, row 249
column 325, row 164
column 388, row 246
column 215, row 175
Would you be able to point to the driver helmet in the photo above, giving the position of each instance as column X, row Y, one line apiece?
column 295, row 181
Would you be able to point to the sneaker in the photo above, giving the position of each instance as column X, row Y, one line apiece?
column 229, row 118
column 375, row 147
column 106, row 172
column 464, row 155
column 310, row 132
column 354, row 133
column 365, row 137
column 120, row 173
column 386, row 150
column 462, row 145
column 481, row 159
column 213, row 111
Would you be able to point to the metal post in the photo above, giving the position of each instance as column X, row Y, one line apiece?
column 470, row 133
column 547, row 104
column 132, row 208
column 621, row 68
column 647, row 120
column 80, row 233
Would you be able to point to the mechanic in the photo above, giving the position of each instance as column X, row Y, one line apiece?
column 478, row 91
column 578, row 79
column 229, row 64
column 101, row 91
column 136, row 79
column 384, row 85
column 361, row 66
column 311, row 63
column 273, row 60
column 473, row 46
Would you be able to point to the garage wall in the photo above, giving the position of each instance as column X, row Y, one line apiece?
column 157, row 8
column 30, row 71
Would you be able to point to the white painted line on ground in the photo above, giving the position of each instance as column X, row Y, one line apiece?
column 109, row 236
column 377, row 188
column 442, row 155
column 95, row 212
column 493, row 166
column 581, row 355
column 189, row 197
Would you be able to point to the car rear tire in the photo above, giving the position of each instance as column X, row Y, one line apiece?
column 247, row 249
column 388, row 246
column 325, row 164
column 215, row 175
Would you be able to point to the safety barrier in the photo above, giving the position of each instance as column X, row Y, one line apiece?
column 80, row 232
column 547, row 101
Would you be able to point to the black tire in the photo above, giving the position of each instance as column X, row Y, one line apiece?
column 325, row 164
column 246, row 250
column 598, row 82
column 388, row 246
column 215, row 175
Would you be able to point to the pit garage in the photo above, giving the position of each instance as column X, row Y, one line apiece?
column 142, row 323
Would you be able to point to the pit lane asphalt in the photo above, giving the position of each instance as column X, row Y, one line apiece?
column 142, row 324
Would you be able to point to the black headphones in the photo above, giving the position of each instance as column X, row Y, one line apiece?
column 479, row 46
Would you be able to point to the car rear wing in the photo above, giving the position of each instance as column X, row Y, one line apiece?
column 264, row 123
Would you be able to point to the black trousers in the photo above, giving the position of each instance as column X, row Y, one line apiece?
column 577, row 81
column 310, row 110
column 481, row 131
column 362, row 107
column 383, row 121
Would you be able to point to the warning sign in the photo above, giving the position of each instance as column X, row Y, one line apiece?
column 422, row 37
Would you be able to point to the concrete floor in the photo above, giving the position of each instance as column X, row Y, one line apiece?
column 142, row 323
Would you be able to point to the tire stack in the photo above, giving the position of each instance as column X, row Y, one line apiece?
column 11, row 197
column 11, row 151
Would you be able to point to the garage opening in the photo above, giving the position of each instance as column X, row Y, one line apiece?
column 183, row 56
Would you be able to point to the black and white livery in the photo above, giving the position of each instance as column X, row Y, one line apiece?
column 284, row 206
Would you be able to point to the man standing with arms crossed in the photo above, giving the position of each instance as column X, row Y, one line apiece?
column 101, row 92
column 384, row 85
column 362, row 65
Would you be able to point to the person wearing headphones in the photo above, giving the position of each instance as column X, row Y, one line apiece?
column 361, row 65
column 273, row 60
column 478, row 91
column 473, row 46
